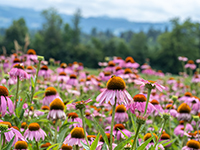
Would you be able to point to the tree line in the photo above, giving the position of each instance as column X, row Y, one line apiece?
column 66, row 42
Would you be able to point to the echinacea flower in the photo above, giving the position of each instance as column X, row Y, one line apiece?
column 139, row 104
column 21, row 145
column 56, row 110
column 66, row 147
column 179, row 130
column 45, row 72
column 73, row 117
column 34, row 132
column 184, row 112
column 165, row 137
column 149, row 84
column 190, row 64
column 158, row 108
column 46, row 145
column 18, row 72
column 50, row 95
column 72, row 80
column 120, row 114
column 5, row 102
column 75, row 137
column 192, row 145
column 151, row 143
column 91, row 138
column 115, row 91
column 117, row 132
column 101, row 142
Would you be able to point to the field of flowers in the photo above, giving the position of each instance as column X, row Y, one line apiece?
column 121, row 106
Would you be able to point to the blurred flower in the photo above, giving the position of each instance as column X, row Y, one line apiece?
column 21, row 145
column 18, row 71
column 50, row 95
column 192, row 145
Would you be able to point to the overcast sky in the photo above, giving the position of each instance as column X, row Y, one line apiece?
column 134, row 10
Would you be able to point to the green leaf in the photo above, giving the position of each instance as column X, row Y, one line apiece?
column 19, row 108
column 142, row 147
column 55, row 147
column 101, row 131
column 85, row 146
column 104, row 147
column 165, row 144
column 123, row 133
column 62, row 135
column 32, row 82
column 88, row 122
column 38, row 92
column 9, row 144
column 95, row 142
column 121, row 145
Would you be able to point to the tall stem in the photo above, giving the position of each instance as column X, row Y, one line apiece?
column 112, row 124
column 160, row 134
column 136, row 135
column 1, row 141
column 37, row 145
column 16, row 96
column 197, row 127
column 148, row 96
column 83, row 122
column 56, row 132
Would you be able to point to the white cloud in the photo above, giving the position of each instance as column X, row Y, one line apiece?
column 140, row 10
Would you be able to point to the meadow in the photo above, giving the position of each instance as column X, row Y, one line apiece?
column 122, row 105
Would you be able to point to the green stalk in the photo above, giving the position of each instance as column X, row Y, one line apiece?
column 112, row 123
column 197, row 126
column 160, row 134
column 83, row 122
column 1, row 141
column 148, row 96
column 135, row 138
column 56, row 132
column 37, row 145
column 76, row 147
column 16, row 96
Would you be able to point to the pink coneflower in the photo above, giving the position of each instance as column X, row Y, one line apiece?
column 45, row 72
column 147, row 83
column 62, row 77
column 50, row 95
column 115, row 90
column 182, row 58
column 73, row 117
column 165, row 137
column 91, row 138
column 72, row 80
column 187, row 96
column 75, row 137
column 196, row 79
column 34, row 132
column 148, row 71
column 192, row 145
column 160, row 73
column 179, row 130
column 5, row 101
column 171, row 110
column 190, row 64
column 171, row 80
column 31, row 55
column 101, row 142
column 118, row 71
column 56, row 110
column 184, row 112
column 119, row 61
column 151, row 143
column 21, row 145
column 138, row 107
column 145, row 66
column 158, row 108
column 102, row 64
column 11, row 133
column 120, row 114
column 117, row 132
column 110, row 67
column 130, row 63
column 66, row 147
column 18, row 71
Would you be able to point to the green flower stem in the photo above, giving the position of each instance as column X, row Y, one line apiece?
column 148, row 96
column 135, row 138
column 160, row 133
column 76, row 147
column 112, row 123
column 16, row 96
column 37, row 145
column 1, row 141
column 56, row 132
column 197, row 126
column 83, row 122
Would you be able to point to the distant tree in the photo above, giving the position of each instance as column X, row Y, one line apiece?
column 17, row 31
column 76, row 27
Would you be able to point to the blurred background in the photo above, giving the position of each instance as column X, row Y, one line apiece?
column 91, row 30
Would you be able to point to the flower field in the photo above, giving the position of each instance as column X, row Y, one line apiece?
column 121, row 106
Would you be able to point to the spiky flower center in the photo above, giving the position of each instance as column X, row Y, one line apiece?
column 139, row 98
column 154, row 102
column 116, row 83
column 24, row 125
column 62, row 74
column 50, row 91
column 3, row 91
column 193, row 144
column 77, row 132
column 21, row 145
column 6, row 123
column 80, row 64
column 120, row 109
column 169, row 106
column 19, row 66
column 165, row 136
column 30, row 68
column 118, row 68
column 45, row 108
column 129, row 59
column 72, row 115
column 16, row 60
column 66, row 147
column 63, row 65
column 57, row 104
column 31, row 52
column 108, row 136
column 148, row 135
column 45, row 145
column 87, row 114
column 190, row 62
column 72, row 76
column 88, row 78
column 119, row 126
column 111, row 64
column 34, row 127
column 184, row 108
column 188, row 94
column 45, row 67
column 90, row 137
column 107, row 73
column 127, row 71
column 171, row 78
